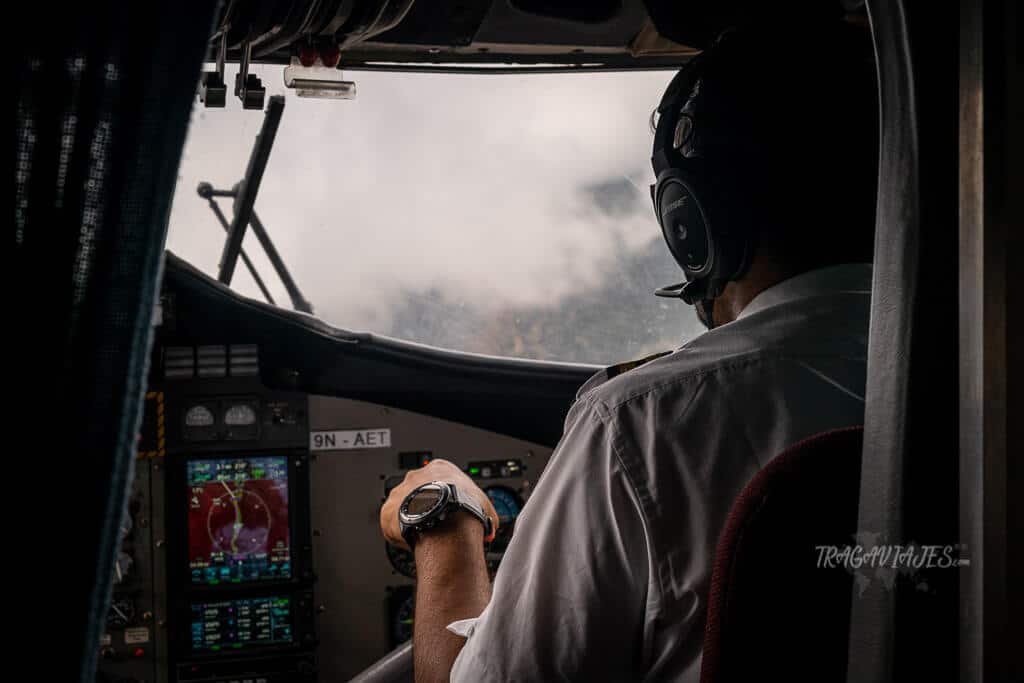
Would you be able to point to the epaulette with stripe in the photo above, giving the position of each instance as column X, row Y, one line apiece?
column 613, row 371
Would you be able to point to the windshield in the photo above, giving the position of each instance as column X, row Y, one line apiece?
column 500, row 214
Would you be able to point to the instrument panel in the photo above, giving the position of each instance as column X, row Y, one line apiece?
column 251, row 549
column 364, row 585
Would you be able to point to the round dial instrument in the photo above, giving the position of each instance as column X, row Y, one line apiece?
column 240, row 415
column 508, row 505
column 121, row 613
column 199, row 416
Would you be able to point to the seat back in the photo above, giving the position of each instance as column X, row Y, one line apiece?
column 773, row 612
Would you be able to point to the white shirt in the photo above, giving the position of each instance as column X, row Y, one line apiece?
column 607, row 575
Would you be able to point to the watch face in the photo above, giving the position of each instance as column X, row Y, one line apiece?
column 423, row 500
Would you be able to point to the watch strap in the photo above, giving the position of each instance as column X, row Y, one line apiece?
column 469, row 503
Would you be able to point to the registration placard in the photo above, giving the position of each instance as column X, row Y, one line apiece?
column 349, row 439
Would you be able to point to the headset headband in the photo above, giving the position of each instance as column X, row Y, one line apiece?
column 674, row 97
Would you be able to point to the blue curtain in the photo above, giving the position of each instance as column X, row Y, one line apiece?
column 102, row 100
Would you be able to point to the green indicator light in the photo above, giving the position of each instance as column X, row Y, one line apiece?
column 474, row 470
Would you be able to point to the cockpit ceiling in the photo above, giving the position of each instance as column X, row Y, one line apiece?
column 609, row 33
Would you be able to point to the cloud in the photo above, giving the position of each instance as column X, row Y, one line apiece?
column 499, row 191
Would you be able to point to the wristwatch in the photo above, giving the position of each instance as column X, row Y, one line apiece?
column 430, row 504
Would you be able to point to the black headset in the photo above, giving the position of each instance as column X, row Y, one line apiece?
column 706, row 224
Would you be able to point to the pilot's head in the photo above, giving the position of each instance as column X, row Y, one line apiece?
column 766, row 156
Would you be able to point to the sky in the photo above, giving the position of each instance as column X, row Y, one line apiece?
column 480, row 187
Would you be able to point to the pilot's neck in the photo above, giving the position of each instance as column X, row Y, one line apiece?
column 763, row 273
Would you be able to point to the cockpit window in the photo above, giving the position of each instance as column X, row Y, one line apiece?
column 507, row 215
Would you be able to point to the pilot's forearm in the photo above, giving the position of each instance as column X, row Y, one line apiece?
column 451, row 584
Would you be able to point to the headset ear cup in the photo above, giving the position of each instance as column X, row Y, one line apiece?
column 684, row 224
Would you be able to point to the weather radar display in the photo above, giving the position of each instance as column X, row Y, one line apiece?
column 238, row 520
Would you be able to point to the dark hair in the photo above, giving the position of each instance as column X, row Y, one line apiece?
column 799, row 107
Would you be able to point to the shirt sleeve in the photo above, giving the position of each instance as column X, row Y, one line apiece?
column 569, row 599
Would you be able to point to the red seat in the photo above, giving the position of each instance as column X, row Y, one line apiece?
column 773, row 613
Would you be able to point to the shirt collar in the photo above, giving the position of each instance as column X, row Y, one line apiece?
column 847, row 278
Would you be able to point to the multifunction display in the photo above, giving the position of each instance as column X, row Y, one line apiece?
column 238, row 521
column 239, row 624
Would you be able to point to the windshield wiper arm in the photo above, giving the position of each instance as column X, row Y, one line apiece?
column 244, row 196
column 249, row 187
column 298, row 301
column 207, row 192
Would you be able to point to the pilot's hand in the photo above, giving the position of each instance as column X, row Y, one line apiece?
column 435, row 470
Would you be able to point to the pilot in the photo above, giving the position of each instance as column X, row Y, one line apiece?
column 765, row 153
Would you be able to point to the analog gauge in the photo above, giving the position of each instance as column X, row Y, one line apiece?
column 402, row 560
column 405, row 617
column 121, row 613
column 507, row 504
column 240, row 415
column 199, row 416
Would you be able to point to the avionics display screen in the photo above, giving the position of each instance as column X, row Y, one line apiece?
column 238, row 520
column 237, row 624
